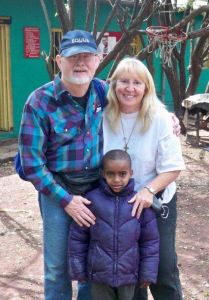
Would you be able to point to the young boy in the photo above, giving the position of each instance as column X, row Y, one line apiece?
column 119, row 251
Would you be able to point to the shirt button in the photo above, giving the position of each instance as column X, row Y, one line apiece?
column 88, row 133
column 66, row 129
column 87, row 149
column 86, row 167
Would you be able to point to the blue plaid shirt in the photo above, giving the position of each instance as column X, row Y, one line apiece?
column 58, row 135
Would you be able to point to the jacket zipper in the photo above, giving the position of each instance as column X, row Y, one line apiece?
column 115, row 273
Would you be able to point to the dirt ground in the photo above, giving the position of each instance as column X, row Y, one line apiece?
column 21, row 268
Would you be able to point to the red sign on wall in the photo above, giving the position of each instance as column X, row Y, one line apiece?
column 31, row 42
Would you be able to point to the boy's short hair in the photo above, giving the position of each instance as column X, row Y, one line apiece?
column 116, row 154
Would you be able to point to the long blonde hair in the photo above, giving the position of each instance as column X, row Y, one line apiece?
column 150, row 102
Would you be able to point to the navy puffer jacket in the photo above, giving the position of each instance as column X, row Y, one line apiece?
column 119, row 249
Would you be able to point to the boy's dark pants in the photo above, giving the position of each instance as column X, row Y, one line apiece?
column 104, row 292
column 168, row 286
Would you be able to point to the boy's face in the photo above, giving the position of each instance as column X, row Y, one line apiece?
column 117, row 174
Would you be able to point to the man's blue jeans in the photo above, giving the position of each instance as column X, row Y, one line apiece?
column 56, row 225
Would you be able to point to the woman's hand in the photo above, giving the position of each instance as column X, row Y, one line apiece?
column 176, row 124
column 142, row 199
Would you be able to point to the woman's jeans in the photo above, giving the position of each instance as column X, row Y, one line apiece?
column 168, row 285
column 57, row 285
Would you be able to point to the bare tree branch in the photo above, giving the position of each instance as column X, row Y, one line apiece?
column 108, row 20
column 89, row 11
column 96, row 17
column 70, row 4
column 46, row 57
column 120, row 55
column 48, row 23
column 198, row 33
column 135, row 10
column 61, row 11
column 190, row 17
column 132, row 17
column 128, row 35
column 207, row 88
column 143, row 13
column 206, row 52
column 196, row 66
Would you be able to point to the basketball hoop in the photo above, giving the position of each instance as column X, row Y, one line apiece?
column 166, row 40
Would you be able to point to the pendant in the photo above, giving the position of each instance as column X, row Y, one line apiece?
column 126, row 147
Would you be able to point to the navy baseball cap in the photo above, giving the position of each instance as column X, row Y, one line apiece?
column 77, row 41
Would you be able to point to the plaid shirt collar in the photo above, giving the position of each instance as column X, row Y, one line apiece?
column 59, row 88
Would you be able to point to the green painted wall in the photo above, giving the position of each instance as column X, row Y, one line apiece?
column 29, row 73
column 26, row 73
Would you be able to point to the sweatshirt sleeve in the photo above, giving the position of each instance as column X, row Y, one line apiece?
column 149, row 247
column 169, row 153
column 78, row 245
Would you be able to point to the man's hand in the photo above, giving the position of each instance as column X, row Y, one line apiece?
column 79, row 212
column 176, row 125
column 142, row 199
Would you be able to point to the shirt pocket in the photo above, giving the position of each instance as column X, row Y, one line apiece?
column 66, row 128
column 64, row 132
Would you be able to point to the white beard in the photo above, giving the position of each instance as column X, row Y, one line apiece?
column 79, row 80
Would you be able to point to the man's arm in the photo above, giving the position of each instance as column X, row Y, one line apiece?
column 33, row 141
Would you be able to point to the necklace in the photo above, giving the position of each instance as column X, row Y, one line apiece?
column 127, row 139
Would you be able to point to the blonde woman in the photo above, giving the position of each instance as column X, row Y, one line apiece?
column 136, row 121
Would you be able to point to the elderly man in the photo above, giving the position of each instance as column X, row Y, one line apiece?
column 61, row 148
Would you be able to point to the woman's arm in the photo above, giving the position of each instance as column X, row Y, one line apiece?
column 168, row 164
column 144, row 198
column 175, row 124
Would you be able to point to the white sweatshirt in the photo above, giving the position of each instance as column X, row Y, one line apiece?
column 156, row 151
